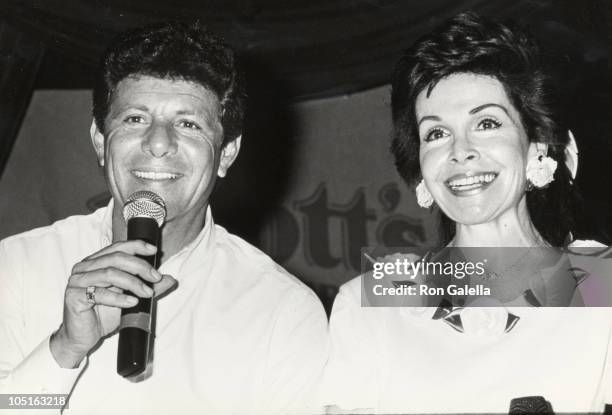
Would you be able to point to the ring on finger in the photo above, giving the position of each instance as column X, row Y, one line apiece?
column 90, row 294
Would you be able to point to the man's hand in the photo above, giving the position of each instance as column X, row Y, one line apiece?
column 111, row 270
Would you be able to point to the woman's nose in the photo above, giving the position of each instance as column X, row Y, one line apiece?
column 160, row 140
column 463, row 150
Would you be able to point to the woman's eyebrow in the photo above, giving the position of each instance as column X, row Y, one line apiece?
column 481, row 107
column 429, row 117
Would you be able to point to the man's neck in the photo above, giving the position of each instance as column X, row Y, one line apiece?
column 176, row 233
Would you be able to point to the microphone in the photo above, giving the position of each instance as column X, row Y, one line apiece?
column 530, row 405
column 144, row 212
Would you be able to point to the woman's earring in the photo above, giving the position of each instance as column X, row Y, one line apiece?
column 424, row 198
column 540, row 171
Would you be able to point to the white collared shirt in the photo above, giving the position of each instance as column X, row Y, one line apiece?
column 238, row 335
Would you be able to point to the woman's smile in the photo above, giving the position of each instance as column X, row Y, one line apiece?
column 467, row 184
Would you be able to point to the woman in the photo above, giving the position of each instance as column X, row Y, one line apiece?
column 476, row 131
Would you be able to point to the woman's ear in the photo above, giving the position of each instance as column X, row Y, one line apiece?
column 536, row 149
column 97, row 139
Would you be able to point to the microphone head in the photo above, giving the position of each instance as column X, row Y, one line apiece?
column 530, row 405
column 144, row 203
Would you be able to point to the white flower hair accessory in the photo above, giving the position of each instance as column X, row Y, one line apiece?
column 424, row 198
column 540, row 170
column 571, row 155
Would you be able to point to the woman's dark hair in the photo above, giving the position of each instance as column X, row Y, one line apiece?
column 177, row 51
column 469, row 43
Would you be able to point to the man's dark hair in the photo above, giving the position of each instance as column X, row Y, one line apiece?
column 177, row 51
column 469, row 43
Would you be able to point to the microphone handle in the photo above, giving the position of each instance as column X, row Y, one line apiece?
column 135, row 327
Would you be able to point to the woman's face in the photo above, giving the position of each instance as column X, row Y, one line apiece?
column 473, row 148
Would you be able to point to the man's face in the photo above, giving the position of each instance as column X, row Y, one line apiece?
column 164, row 136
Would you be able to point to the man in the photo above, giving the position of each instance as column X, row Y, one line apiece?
column 234, row 332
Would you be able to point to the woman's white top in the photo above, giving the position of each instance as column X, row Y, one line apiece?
column 400, row 360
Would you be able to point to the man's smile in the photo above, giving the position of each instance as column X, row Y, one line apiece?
column 155, row 175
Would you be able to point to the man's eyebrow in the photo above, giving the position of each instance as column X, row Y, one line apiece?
column 481, row 107
column 131, row 107
column 429, row 117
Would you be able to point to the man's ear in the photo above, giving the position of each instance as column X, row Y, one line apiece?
column 229, row 152
column 97, row 139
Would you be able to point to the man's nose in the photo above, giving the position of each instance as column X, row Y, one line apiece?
column 160, row 140
column 463, row 150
